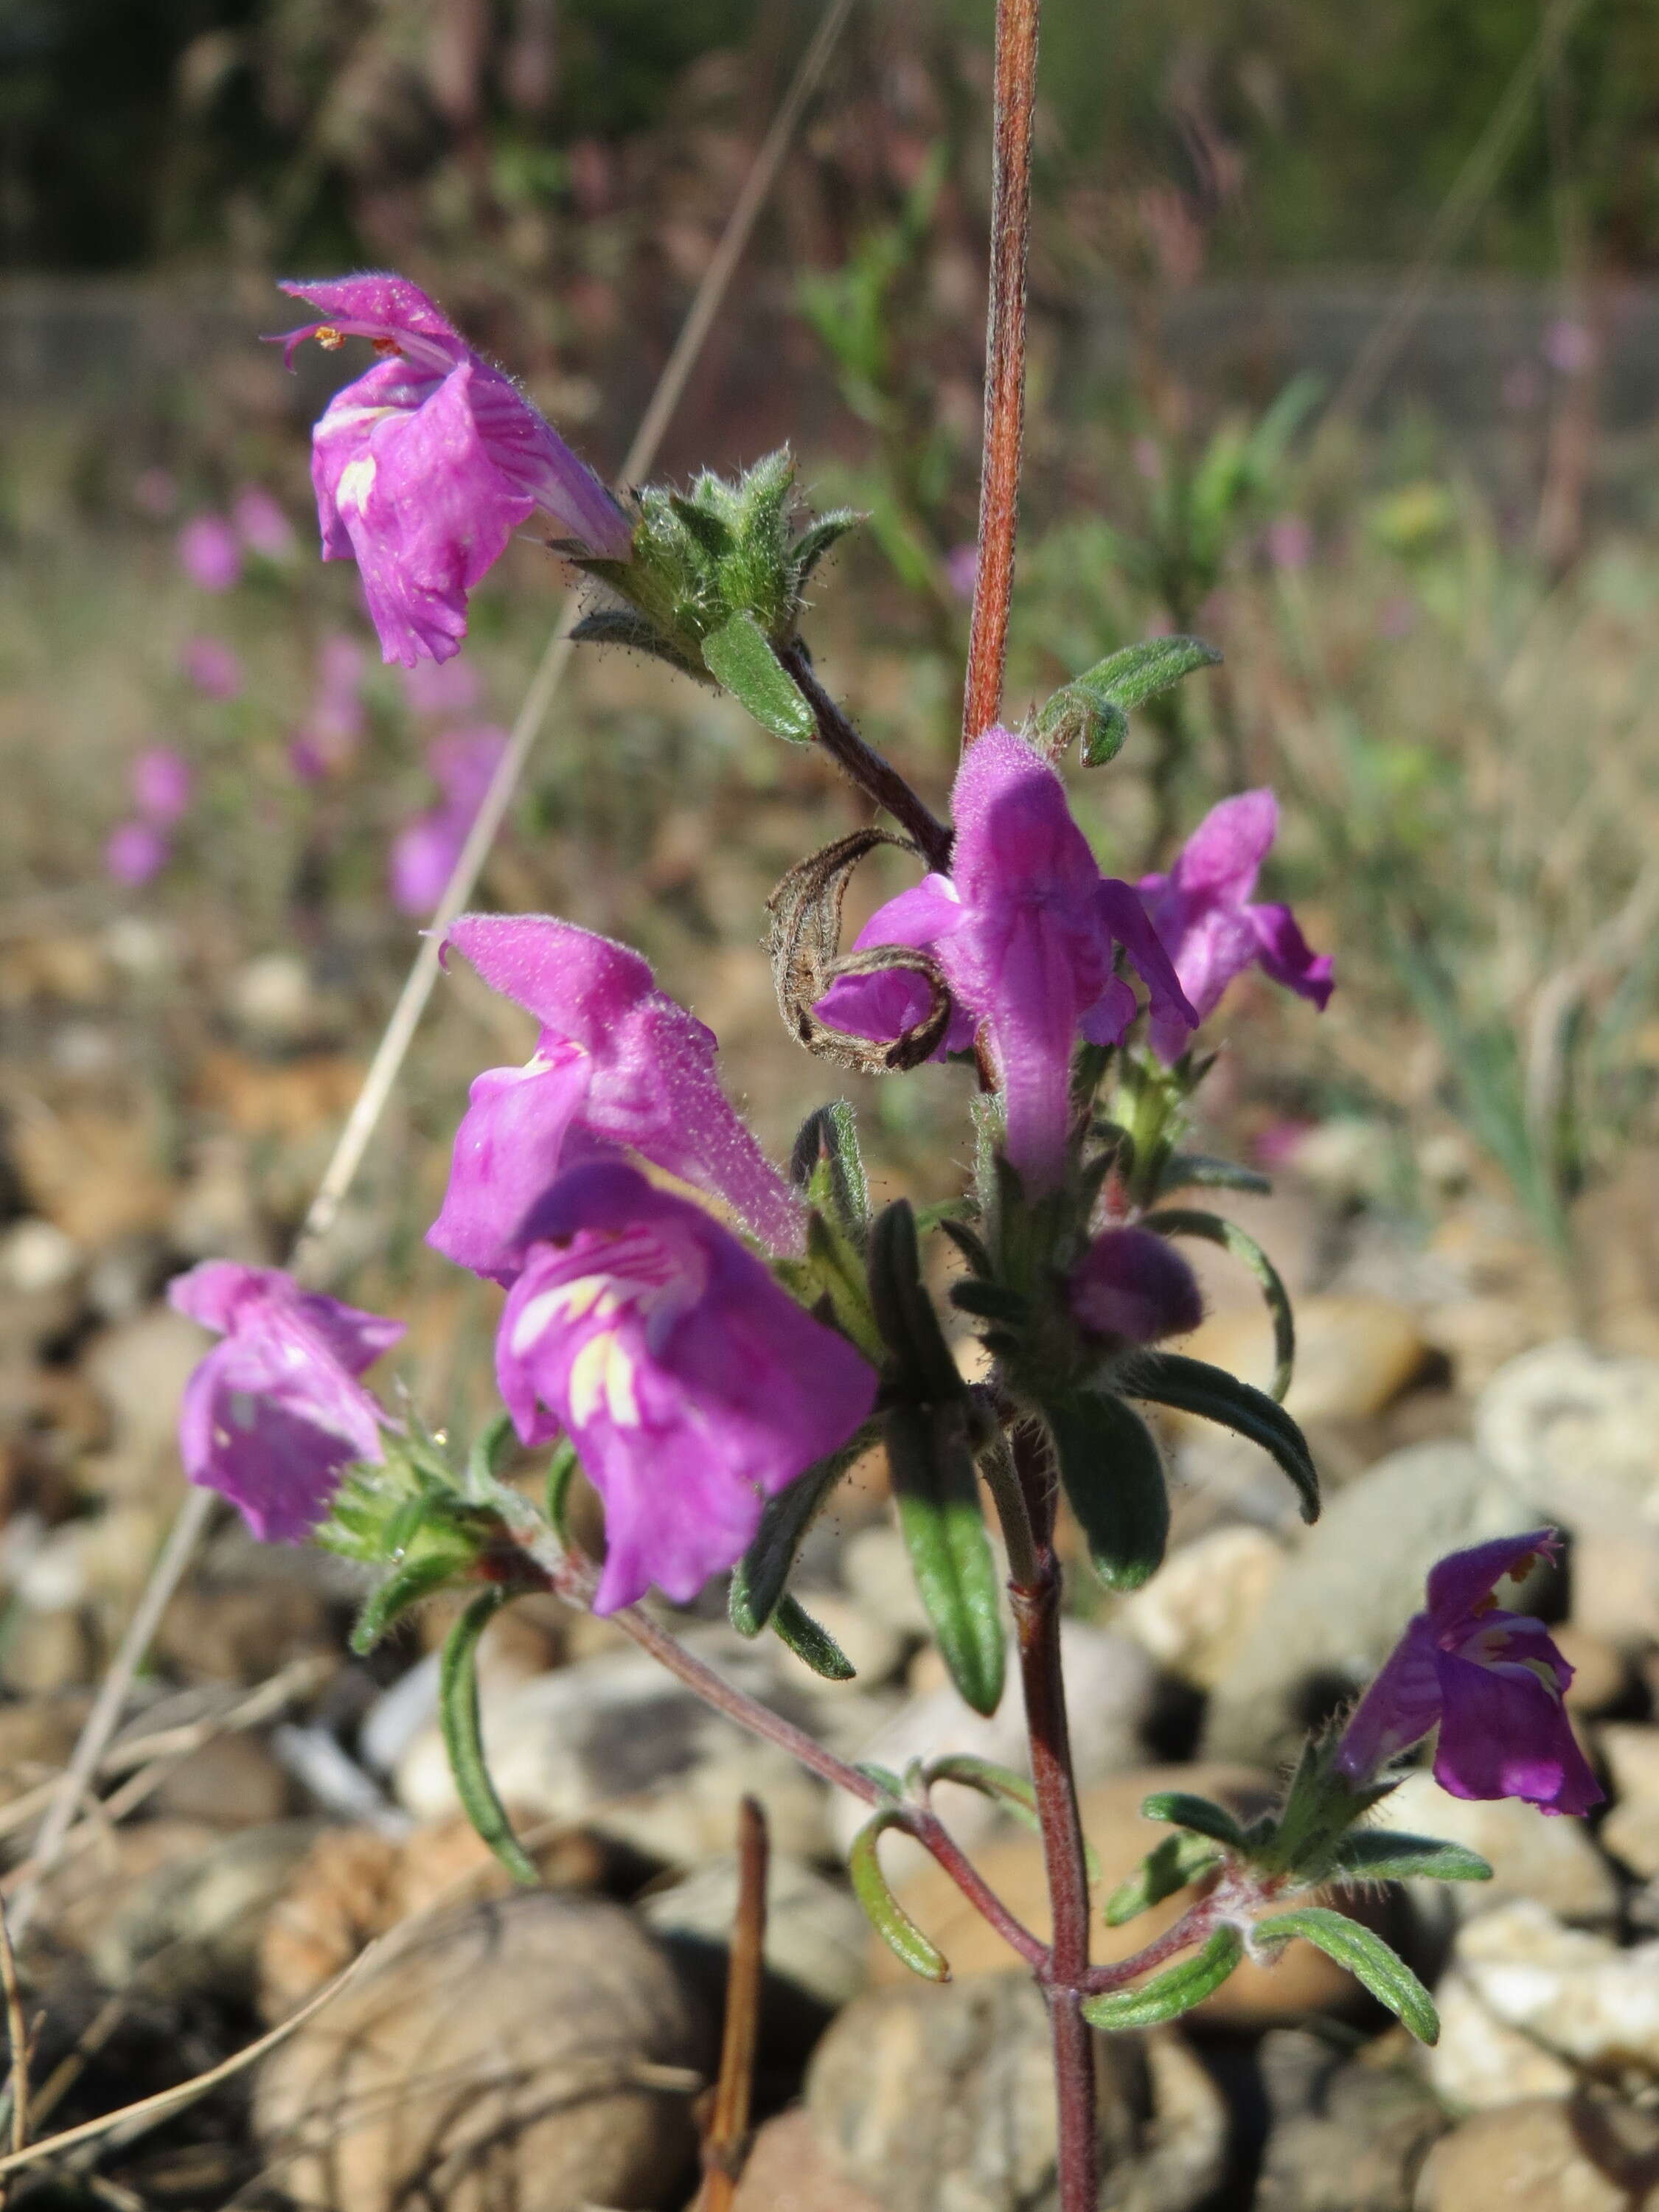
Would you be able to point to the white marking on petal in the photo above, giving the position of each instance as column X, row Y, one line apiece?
column 356, row 482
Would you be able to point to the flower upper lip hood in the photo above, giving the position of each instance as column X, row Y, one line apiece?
column 1203, row 911
column 1025, row 929
column 618, row 1064
column 1491, row 1680
column 425, row 466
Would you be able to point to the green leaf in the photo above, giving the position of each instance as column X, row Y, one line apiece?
column 1200, row 1171
column 991, row 1301
column 885, row 1914
column 759, row 1577
column 904, row 1310
column 1366, row 1957
column 1384, row 1854
column 1182, row 1810
column 1166, row 1996
column 740, row 657
column 1192, row 1386
column 1094, row 708
column 711, row 530
column 492, row 1449
column 1013, row 1792
column 827, row 1164
column 616, row 626
column 810, row 1642
column 1189, row 1221
column 816, row 540
column 1113, row 1478
column 968, row 1242
column 562, row 1471
column 1168, row 1867
column 458, row 1710
column 942, row 1524
column 882, row 1776
column 407, row 1585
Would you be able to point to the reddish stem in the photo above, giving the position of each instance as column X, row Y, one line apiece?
column 1005, row 362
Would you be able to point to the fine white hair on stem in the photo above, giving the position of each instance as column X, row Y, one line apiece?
column 399, row 1034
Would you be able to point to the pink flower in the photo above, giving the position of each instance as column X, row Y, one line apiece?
column 450, row 687
column 693, row 1388
column 1132, row 1284
column 1491, row 1681
column 334, row 728
column 427, row 464
column 261, row 524
column 617, row 1065
column 136, row 851
column 962, row 569
column 162, row 784
column 274, row 1415
column 212, row 667
column 1025, row 929
column 208, row 553
column 1202, row 912
column 1289, row 542
column 424, row 852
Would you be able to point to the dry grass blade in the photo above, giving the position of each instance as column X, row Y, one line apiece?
column 381, row 1078
column 726, row 2146
column 17, row 2037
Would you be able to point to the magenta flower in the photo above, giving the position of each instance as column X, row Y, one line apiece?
column 962, row 569
column 333, row 729
column 1202, row 912
column 693, row 1388
column 1132, row 1284
column 212, row 667
column 1490, row 1680
column 1025, row 931
column 618, row 1065
column 427, row 463
column 136, row 851
column 261, row 524
column 274, row 1414
column 208, row 553
column 425, row 851
column 162, row 784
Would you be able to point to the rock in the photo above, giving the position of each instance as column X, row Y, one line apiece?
column 37, row 1736
column 1579, row 1433
column 1576, row 1994
column 139, row 1367
column 1601, row 1677
column 231, row 1781
column 246, row 1622
column 1631, row 1831
column 876, row 1568
column 1346, row 2134
column 84, row 1892
column 616, row 1744
column 1591, row 2155
column 1302, row 1980
column 875, row 1648
column 1355, row 1354
column 1344, row 1596
column 1111, row 1688
column 931, row 2097
column 789, row 2170
column 194, row 1922
column 816, row 1936
column 1479, row 2062
column 1614, row 1582
column 1552, row 1860
column 529, row 2052
column 1203, row 1602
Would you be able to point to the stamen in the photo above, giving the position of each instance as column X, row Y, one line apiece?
column 328, row 337
column 388, row 345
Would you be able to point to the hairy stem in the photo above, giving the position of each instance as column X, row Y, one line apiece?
column 1005, row 362
column 876, row 777
column 1036, row 1620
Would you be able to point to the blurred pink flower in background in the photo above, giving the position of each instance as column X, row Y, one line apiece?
column 162, row 784
column 1569, row 346
column 261, row 524
column 333, row 729
column 425, row 851
column 1288, row 541
column 446, row 687
column 962, row 569
column 212, row 667
column 136, row 852
column 208, row 553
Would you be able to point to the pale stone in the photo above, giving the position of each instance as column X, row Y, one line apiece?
column 1552, row 1860
column 1631, row 1831
column 1204, row 1601
column 1479, row 2062
column 1592, row 2154
column 1577, row 1993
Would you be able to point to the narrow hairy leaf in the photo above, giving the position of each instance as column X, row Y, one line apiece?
column 561, row 1474
column 1381, row 1855
column 1013, row 1792
column 407, row 1585
column 458, row 1710
column 1198, row 1171
column 1169, row 1867
column 827, row 1164
column 991, row 1301
column 740, row 657
column 1166, row 1996
column 904, row 1308
column 810, row 1642
column 1182, row 1810
column 885, row 1914
column 616, row 626
column 1366, row 1957
column 1094, row 708
column 942, row 1525
column 1192, row 1386
column 1191, row 1221
column 758, row 1579
column 1113, row 1477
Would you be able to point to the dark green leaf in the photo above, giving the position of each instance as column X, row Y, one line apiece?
column 810, row 1642
column 711, row 530
column 1182, row 1810
column 615, row 626
column 457, row 1710
column 1169, row 1867
column 1166, row 1996
column 408, row 1584
column 991, row 1301
column 828, row 1164
column 904, row 1310
column 1193, row 1387
column 1189, row 1221
column 939, row 1514
column 759, row 1577
column 492, row 1449
column 816, row 540
column 562, row 1471
column 1366, row 1957
column 740, row 657
column 1113, row 1478
column 1381, row 1854
column 968, row 1242
column 1094, row 708
column 1198, row 1171
column 885, row 1914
